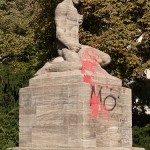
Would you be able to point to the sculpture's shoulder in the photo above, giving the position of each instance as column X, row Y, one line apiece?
column 61, row 7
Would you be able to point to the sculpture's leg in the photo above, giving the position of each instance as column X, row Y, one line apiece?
column 102, row 58
column 72, row 62
column 95, row 58
column 44, row 69
column 69, row 61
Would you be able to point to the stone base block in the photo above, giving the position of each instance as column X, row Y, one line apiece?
column 56, row 113
column 100, row 148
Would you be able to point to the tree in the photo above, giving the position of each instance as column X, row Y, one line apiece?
column 11, row 82
column 17, row 62
column 17, row 46
column 45, row 32
column 141, row 99
column 113, row 27
column 141, row 137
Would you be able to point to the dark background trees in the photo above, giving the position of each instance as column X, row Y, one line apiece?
column 27, row 41
column 17, row 61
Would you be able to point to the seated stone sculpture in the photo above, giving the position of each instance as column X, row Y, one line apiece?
column 67, row 21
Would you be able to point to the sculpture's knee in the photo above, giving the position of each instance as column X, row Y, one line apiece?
column 70, row 56
column 106, row 60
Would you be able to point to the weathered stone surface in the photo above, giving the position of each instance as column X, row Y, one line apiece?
column 57, row 116
column 50, row 136
column 61, row 112
column 71, row 77
column 26, row 137
column 100, row 148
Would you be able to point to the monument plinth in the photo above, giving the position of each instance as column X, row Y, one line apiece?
column 55, row 114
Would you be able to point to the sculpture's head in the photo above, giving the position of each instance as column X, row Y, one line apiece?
column 76, row 1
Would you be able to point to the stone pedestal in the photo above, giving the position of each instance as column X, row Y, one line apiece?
column 55, row 114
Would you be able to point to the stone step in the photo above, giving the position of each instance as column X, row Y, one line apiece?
column 100, row 148
column 72, row 77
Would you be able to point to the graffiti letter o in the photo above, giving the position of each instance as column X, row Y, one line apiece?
column 114, row 102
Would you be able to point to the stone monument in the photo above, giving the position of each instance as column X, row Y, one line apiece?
column 72, row 103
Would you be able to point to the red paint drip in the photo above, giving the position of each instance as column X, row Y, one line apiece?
column 94, row 105
column 86, row 65
column 87, row 79
column 89, row 64
column 89, row 61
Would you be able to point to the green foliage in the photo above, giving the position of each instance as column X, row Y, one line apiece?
column 44, row 26
column 17, row 46
column 9, row 128
column 9, row 93
column 112, row 26
column 18, row 58
column 141, row 137
column 141, row 99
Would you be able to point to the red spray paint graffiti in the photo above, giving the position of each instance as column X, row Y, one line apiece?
column 94, row 103
column 97, row 100
column 89, row 62
column 89, row 66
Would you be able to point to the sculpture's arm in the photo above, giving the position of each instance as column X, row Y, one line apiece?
column 61, row 20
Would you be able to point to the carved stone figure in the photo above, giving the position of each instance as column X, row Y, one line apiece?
column 67, row 21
